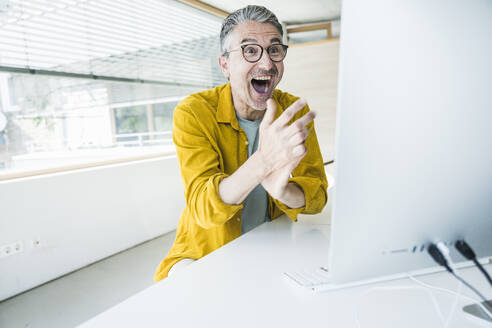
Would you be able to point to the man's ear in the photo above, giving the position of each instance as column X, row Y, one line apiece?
column 224, row 66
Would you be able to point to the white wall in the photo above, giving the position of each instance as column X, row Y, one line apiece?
column 82, row 216
column 311, row 72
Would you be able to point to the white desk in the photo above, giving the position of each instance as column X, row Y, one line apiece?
column 241, row 285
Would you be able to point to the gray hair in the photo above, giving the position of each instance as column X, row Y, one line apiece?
column 258, row 14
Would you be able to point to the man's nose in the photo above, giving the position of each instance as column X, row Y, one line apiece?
column 265, row 61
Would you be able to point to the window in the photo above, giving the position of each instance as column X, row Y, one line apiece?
column 84, row 81
column 163, row 115
column 144, row 125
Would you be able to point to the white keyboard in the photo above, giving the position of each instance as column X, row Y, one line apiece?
column 309, row 278
column 319, row 280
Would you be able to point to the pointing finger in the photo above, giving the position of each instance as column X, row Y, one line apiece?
column 289, row 113
column 301, row 123
column 299, row 150
column 299, row 137
column 270, row 112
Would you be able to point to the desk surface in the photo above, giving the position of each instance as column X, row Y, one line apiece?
column 242, row 285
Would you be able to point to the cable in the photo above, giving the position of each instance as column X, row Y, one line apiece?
column 448, row 291
column 440, row 253
column 446, row 261
column 470, row 299
column 445, row 322
column 439, row 256
column 329, row 162
column 454, row 306
column 464, row 282
column 469, row 254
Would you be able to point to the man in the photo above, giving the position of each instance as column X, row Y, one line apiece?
column 247, row 152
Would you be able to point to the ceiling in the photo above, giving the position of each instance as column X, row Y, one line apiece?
column 289, row 12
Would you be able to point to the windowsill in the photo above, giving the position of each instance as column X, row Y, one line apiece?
column 70, row 162
column 311, row 43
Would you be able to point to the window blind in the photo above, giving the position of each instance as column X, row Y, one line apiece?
column 147, row 41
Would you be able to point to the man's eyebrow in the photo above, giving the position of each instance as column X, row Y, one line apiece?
column 254, row 40
column 248, row 40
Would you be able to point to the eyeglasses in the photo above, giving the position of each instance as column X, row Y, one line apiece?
column 253, row 52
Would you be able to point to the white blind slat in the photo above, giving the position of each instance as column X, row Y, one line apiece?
column 154, row 40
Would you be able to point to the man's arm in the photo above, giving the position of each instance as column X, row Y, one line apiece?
column 280, row 149
column 303, row 180
column 309, row 175
column 200, row 167
column 236, row 187
column 212, row 196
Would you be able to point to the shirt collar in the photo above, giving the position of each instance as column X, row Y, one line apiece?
column 225, row 108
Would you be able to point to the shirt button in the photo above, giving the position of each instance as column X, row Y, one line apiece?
column 238, row 219
column 245, row 142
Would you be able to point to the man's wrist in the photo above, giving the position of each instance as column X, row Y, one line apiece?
column 293, row 196
column 284, row 196
column 262, row 169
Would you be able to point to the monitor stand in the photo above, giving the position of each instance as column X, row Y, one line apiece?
column 476, row 311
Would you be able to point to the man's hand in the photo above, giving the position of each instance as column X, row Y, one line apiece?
column 279, row 142
column 276, row 183
column 282, row 148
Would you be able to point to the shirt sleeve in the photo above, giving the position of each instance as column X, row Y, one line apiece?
column 200, row 170
column 310, row 176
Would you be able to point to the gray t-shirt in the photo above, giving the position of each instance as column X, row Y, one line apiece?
column 255, row 206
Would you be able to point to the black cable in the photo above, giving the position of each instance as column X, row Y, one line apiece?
column 440, row 259
column 469, row 254
column 329, row 162
column 464, row 282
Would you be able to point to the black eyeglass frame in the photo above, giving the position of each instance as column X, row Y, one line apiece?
column 284, row 46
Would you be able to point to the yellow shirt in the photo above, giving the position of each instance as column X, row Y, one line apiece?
column 210, row 146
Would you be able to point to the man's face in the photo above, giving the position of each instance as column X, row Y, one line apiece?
column 252, row 84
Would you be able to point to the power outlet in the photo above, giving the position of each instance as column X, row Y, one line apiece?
column 18, row 246
column 5, row 250
column 5, row 6
column 11, row 249
column 36, row 242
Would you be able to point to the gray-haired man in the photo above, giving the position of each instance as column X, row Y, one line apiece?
column 247, row 152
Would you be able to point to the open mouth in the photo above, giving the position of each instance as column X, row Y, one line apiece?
column 262, row 84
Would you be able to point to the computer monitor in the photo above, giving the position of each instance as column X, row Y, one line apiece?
column 414, row 134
